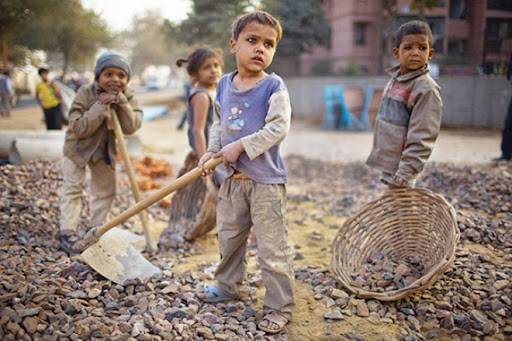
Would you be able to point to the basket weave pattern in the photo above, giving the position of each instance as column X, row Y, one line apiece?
column 403, row 222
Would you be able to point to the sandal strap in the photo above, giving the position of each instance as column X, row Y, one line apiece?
column 277, row 318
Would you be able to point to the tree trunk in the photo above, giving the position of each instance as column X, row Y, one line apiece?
column 5, row 52
column 66, row 64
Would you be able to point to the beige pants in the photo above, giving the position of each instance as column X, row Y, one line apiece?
column 240, row 205
column 103, row 191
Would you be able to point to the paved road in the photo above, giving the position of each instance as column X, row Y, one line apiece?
column 161, row 138
column 453, row 145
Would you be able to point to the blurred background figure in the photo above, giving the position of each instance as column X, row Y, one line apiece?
column 506, row 135
column 6, row 93
column 48, row 96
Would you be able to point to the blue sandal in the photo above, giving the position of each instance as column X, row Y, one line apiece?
column 212, row 293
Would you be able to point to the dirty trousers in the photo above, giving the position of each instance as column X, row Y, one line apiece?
column 103, row 191
column 240, row 205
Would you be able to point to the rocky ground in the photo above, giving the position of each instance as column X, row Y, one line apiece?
column 44, row 294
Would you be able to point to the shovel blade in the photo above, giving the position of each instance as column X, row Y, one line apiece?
column 138, row 241
column 115, row 258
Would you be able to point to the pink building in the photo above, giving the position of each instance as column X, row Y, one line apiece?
column 467, row 33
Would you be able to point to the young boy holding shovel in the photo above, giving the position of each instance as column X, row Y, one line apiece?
column 251, row 118
column 90, row 141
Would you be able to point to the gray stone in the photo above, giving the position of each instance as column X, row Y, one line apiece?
column 334, row 314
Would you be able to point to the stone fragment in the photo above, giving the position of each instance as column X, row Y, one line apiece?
column 30, row 324
column 334, row 314
column 362, row 309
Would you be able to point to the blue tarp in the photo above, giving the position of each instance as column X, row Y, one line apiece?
column 154, row 111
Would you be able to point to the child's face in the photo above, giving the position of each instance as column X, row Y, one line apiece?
column 413, row 53
column 113, row 80
column 255, row 47
column 44, row 76
column 209, row 72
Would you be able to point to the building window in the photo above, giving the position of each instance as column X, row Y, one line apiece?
column 496, row 31
column 500, row 5
column 458, row 9
column 457, row 46
column 437, row 26
column 327, row 4
column 360, row 33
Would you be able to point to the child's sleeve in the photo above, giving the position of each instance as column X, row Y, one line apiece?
column 277, row 125
column 129, row 114
column 84, row 120
column 424, row 127
column 214, row 142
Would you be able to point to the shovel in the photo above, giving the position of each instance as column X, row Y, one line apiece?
column 115, row 257
column 150, row 245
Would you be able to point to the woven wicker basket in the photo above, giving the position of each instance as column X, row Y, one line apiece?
column 403, row 222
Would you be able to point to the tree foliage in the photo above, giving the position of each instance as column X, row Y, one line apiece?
column 210, row 23
column 62, row 27
column 16, row 13
column 76, row 34
column 152, row 41
column 304, row 25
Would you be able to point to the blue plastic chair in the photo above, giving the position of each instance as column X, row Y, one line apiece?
column 363, row 122
column 335, row 106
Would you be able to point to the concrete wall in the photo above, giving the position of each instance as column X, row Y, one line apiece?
column 468, row 101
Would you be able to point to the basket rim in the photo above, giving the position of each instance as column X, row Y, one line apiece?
column 427, row 279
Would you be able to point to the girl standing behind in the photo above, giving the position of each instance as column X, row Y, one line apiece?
column 204, row 67
column 193, row 207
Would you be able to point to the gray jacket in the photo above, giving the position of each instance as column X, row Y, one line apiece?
column 407, row 126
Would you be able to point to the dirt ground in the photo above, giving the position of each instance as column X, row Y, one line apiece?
column 306, row 218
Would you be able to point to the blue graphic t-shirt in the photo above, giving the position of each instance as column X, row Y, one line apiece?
column 243, row 113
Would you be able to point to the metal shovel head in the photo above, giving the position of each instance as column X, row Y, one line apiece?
column 115, row 258
column 136, row 240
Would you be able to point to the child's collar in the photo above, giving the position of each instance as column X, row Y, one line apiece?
column 395, row 73
column 232, row 75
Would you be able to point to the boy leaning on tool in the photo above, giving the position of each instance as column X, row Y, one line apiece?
column 409, row 117
column 90, row 141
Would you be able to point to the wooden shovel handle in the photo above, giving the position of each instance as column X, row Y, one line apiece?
column 180, row 182
column 131, row 176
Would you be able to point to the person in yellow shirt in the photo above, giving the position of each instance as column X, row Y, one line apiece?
column 48, row 96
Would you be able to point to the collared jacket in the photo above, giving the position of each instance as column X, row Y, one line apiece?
column 90, row 134
column 407, row 126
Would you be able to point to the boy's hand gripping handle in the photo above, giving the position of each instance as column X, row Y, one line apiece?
column 94, row 234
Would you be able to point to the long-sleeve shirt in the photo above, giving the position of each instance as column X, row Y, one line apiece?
column 89, row 136
column 259, row 117
column 408, row 123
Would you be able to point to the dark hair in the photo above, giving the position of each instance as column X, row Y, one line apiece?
column 261, row 17
column 42, row 70
column 198, row 57
column 413, row 27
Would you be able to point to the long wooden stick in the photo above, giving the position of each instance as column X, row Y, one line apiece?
column 95, row 233
column 150, row 246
